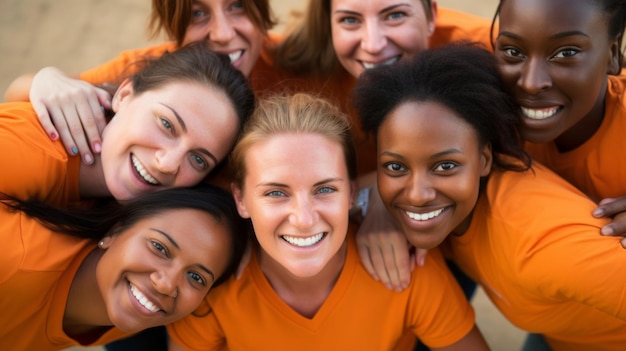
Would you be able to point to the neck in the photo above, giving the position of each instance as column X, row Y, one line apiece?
column 91, row 180
column 86, row 316
column 305, row 295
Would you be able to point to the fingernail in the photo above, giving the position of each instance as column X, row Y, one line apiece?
column 54, row 136
column 598, row 212
column 607, row 230
column 97, row 147
column 74, row 150
column 88, row 159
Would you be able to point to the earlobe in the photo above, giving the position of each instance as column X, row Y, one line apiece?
column 486, row 160
column 124, row 91
column 105, row 242
column 241, row 206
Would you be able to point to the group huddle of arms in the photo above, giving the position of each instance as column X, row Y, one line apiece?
column 491, row 145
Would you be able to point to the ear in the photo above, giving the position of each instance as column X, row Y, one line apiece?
column 124, row 91
column 105, row 242
column 615, row 66
column 353, row 192
column 486, row 160
column 433, row 22
column 238, row 195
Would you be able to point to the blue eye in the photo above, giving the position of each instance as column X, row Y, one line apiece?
column 326, row 190
column 396, row 15
column 275, row 193
column 199, row 162
column 160, row 248
column 166, row 124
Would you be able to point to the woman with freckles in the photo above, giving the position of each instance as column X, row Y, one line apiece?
column 304, row 288
column 90, row 276
column 452, row 171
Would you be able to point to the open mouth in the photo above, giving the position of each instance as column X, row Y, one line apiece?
column 424, row 216
column 234, row 56
column 303, row 241
column 370, row 65
column 540, row 113
column 143, row 173
column 143, row 300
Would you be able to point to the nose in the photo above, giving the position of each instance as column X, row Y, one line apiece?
column 303, row 213
column 420, row 189
column 164, row 282
column 534, row 76
column 168, row 161
column 221, row 30
column 374, row 39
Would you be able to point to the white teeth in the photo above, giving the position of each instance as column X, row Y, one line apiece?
column 423, row 216
column 392, row 60
column 539, row 113
column 235, row 55
column 303, row 242
column 143, row 300
column 142, row 171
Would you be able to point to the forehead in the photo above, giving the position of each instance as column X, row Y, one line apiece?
column 424, row 124
column 375, row 6
column 553, row 15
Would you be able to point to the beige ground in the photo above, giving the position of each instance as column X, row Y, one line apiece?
column 78, row 34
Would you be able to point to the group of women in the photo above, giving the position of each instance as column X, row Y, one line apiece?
column 495, row 152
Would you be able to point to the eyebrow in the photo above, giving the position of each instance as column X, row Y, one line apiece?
column 173, row 242
column 556, row 36
column 437, row 155
column 184, row 127
column 386, row 9
column 281, row 185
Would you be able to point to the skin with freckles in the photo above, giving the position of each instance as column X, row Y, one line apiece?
column 370, row 33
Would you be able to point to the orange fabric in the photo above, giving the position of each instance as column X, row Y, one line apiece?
column 359, row 313
column 595, row 167
column 36, row 271
column 452, row 25
column 33, row 165
column 537, row 252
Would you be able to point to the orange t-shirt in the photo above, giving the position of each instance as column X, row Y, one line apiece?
column 595, row 166
column 34, row 167
column 37, row 267
column 358, row 314
column 535, row 249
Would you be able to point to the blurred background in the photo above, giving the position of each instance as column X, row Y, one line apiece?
column 78, row 34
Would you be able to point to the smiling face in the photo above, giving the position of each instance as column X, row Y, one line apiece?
column 159, row 270
column 227, row 29
column 429, row 169
column 298, row 205
column 374, row 32
column 554, row 57
column 165, row 138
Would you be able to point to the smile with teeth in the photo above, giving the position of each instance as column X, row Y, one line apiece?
column 303, row 242
column 142, row 171
column 539, row 113
column 234, row 56
column 424, row 216
column 369, row 65
column 143, row 300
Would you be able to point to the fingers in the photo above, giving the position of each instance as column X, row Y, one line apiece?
column 420, row 257
column 365, row 257
column 615, row 209
column 45, row 120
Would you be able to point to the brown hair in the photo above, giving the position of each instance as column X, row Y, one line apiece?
column 299, row 113
column 308, row 49
column 174, row 16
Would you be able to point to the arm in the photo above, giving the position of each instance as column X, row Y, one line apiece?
column 67, row 108
column 383, row 248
